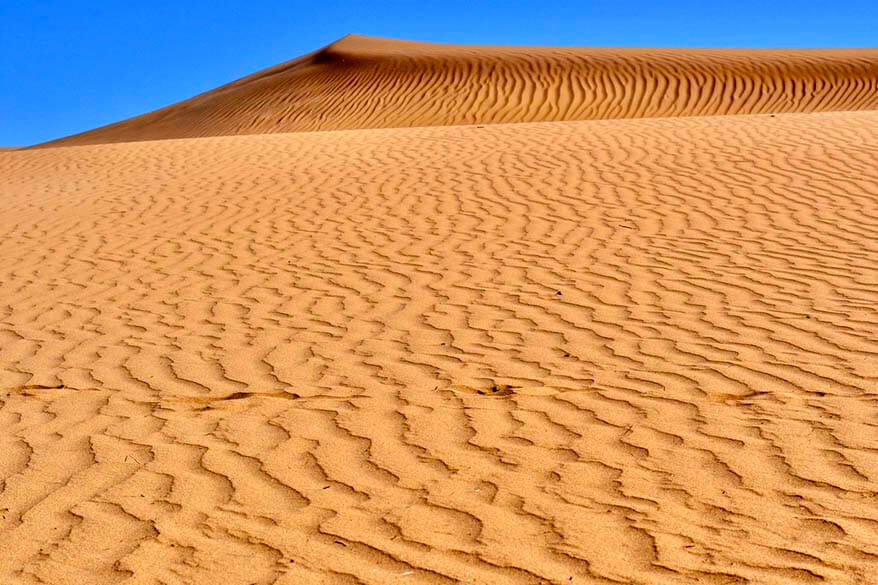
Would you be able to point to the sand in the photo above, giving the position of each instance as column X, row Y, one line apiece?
column 609, row 351
column 366, row 82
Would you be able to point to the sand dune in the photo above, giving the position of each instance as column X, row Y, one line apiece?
column 626, row 351
column 365, row 82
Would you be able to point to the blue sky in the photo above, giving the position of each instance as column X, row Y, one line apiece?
column 67, row 66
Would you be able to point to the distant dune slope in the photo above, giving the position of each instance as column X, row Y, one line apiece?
column 600, row 353
column 364, row 82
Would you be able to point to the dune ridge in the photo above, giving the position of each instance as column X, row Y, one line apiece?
column 608, row 352
column 366, row 82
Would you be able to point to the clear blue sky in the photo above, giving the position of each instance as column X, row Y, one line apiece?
column 68, row 66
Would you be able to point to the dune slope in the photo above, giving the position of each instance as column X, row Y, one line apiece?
column 365, row 82
column 630, row 351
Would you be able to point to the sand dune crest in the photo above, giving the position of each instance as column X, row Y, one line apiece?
column 365, row 82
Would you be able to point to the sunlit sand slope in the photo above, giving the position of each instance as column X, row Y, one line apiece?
column 590, row 352
column 364, row 82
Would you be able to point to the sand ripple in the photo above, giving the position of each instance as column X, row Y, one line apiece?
column 635, row 351
column 365, row 82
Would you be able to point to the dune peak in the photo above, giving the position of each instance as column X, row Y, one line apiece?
column 362, row 82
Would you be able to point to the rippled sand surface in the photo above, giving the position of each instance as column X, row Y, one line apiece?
column 620, row 351
column 367, row 82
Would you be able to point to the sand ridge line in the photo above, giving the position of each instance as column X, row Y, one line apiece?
column 368, row 82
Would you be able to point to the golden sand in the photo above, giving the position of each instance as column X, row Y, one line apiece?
column 612, row 351
column 365, row 82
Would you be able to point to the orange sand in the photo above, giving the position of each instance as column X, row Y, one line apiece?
column 619, row 351
column 364, row 82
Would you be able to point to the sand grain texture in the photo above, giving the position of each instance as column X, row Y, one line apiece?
column 623, row 351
